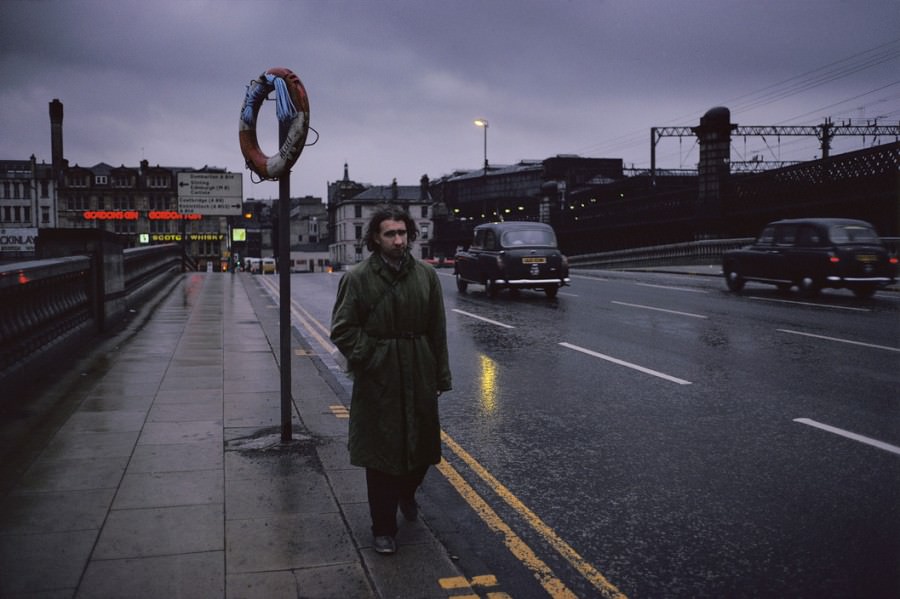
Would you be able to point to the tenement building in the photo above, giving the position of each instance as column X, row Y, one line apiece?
column 27, row 202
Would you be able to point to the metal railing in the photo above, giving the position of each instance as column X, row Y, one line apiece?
column 49, row 304
column 707, row 251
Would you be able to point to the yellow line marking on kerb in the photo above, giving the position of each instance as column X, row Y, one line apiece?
column 516, row 546
column 339, row 411
column 606, row 588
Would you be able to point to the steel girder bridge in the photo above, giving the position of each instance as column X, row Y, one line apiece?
column 824, row 133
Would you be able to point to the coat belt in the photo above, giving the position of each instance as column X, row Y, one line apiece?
column 401, row 335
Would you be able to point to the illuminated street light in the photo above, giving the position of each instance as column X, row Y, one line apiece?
column 484, row 125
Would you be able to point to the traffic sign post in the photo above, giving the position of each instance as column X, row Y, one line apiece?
column 210, row 194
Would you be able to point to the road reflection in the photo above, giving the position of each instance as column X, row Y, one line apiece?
column 487, row 384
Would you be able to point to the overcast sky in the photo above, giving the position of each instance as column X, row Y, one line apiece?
column 394, row 85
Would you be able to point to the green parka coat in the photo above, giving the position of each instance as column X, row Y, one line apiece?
column 391, row 327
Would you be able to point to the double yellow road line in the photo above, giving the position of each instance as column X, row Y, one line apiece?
column 541, row 571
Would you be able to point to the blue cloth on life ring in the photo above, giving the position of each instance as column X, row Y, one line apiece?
column 285, row 110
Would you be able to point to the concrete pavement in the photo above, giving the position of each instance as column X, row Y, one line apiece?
column 159, row 470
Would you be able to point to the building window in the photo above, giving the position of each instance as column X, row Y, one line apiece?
column 158, row 203
column 77, row 180
column 78, row 203
column 125, row 226
column 157, row 181
column 100, row 180
column 45, row 215
column 358, row 232
column 122, row 181
column 45, row 189
column 357, row 212
column 424, row 211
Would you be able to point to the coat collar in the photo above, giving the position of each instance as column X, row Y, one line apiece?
column 384, row 270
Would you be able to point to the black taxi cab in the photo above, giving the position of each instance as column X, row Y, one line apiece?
column 812, row 254
column 512, row 255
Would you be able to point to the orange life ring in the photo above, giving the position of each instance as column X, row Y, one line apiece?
column 292, row 108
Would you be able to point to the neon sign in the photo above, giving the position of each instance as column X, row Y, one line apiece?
column 134, row 215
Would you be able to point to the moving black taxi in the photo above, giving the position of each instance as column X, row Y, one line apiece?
column 812, row 254
column 512, row 255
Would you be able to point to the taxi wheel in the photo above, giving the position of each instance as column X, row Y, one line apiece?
column 490, row 288
column 808, row 286
column 461, row 285
column 551, row 291
column 733, row 279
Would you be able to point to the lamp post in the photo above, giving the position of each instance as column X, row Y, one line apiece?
column 484, row 125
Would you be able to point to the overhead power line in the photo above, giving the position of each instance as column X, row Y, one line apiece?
column 789, row 87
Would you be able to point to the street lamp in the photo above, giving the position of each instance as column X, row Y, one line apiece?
column 484, row 125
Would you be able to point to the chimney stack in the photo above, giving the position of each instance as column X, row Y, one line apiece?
column 56, row 137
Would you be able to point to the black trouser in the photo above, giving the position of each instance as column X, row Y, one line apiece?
column 385, row 492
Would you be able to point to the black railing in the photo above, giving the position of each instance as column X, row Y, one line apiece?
column 47, row 306
column 42, row 302
column 674, row 254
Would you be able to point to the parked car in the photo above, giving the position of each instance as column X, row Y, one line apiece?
column 253, row 265
column 268, row 266
column 813, row 253
column 512, row 255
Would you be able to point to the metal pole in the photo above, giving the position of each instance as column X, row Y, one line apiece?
column 485, row 148
column 284, row 300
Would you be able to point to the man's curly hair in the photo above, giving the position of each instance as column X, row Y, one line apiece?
column 389, row 213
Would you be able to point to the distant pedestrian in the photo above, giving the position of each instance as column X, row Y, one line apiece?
column 388, row 321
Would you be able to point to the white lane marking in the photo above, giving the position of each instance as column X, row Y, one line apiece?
column 589, row 278
column 872, row 345
column 672, row 287
column 569, row 294
column 659, row 309
column 626, row 364
column 799, row 303
column 849, row 435
column 470, row 315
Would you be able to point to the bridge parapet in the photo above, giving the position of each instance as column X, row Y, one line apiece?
column 49, row 306
column 43, row 302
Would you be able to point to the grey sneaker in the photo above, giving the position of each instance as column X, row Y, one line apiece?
column 385, row 545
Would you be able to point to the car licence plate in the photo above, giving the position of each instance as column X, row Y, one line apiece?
column 866, row 258
column 534, row 260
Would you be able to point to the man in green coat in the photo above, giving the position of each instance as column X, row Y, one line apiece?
column 388, row 321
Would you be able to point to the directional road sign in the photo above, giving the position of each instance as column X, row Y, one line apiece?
column 211, row 194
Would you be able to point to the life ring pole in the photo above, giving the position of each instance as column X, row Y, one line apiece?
column 284, row 290
column 292, row 110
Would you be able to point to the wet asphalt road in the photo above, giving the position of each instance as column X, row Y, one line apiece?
column 684, row 441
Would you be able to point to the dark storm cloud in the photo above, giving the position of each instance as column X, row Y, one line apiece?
column 394, row 85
